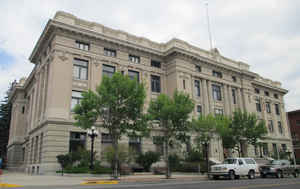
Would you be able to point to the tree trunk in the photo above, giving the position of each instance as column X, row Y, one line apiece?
column 116, row 159
column 168, row 171
column 206, row 157
column 242, row 149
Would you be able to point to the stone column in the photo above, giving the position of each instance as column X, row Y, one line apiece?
column 210, row 97
column 205, row 103
column 230, row 101
column 226, row 100
column 240, row 99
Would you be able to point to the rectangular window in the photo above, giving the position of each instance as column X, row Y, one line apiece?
column 258, row 105
column 36, row 149
column 218, row 111
column 82, row 45
column 134, row 59
column 199, row 109
column 77, row 141
column 197, row 88
column 268, row 107
column 277, row 109
column 198, row 68
column 110, row 52
column 256, row 91
column 298, row 122
column 283, row 147
column 183, row 84
column 280, row 129
column 217, row 74
column 41, row 148
column 234, row 96
column 76, row 97
column 267, row 93
column 135, row 144
column 233, row 78
column 155, row 63
column 216, row 92
column 270, row 126
column 80, row 69
column 265, row 149
column 155, row 83
column 108, row 70
column 133, row 75
column 276, row 96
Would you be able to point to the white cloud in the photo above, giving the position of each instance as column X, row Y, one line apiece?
column 264, row 34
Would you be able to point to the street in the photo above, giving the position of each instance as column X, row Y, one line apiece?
column 286, row 183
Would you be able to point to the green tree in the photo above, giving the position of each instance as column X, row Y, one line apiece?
column 246, row 128
column 117, row 105
column 5, row 117
column 206, row 128
column 171, row 116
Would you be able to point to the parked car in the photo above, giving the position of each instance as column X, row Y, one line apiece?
column 279, row 169
column 233, row 168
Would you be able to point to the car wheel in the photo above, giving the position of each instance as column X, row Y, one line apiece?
column 279, row 174
column 263, row 175
column 231, row 175
column 215, row 177
column 251, row 174
column 237, row 177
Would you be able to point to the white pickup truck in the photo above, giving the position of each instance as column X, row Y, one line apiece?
column 233, row 168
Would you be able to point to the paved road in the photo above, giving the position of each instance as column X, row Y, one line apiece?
column 287, row 183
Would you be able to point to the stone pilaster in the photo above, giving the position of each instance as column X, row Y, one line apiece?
column 205, row 104
column 210, row 97
column 226, row 100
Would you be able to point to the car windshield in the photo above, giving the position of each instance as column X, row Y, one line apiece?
column 274, row 162
column 229, row 161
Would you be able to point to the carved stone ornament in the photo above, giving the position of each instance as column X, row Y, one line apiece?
column 63, row 56
column 97, row 64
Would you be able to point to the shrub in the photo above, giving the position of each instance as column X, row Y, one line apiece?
column 194, row 156
column 174, row 161
column 147, row 159
column 77, row 170
column 125, row 155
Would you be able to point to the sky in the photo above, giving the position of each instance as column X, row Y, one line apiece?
column 264, row 34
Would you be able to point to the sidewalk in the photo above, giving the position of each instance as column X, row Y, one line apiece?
column 69, row 180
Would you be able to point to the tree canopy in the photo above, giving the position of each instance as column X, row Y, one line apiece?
column 171, row 116
column 117, row 105
column 5, row 117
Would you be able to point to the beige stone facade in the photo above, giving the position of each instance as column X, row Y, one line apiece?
column 72, row 55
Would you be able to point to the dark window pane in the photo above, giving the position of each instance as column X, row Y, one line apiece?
column 156, row 64
column 133, row 75
column 108, row 70
column 155, row 83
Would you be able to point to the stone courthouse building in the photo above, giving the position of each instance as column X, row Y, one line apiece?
column 72, row 55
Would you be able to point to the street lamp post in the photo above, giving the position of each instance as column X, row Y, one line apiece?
column 93, row 133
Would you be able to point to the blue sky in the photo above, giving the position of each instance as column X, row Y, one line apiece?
column 264, row 34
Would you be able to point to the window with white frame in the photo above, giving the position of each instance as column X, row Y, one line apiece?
column 134, row 75
column 110, row 52
column 76, row 97
column 134, row 58
column 155, row 83
column 80, row 69
column 82, row 45
column 216, row 90
column 197, row 88
column 108, row 70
